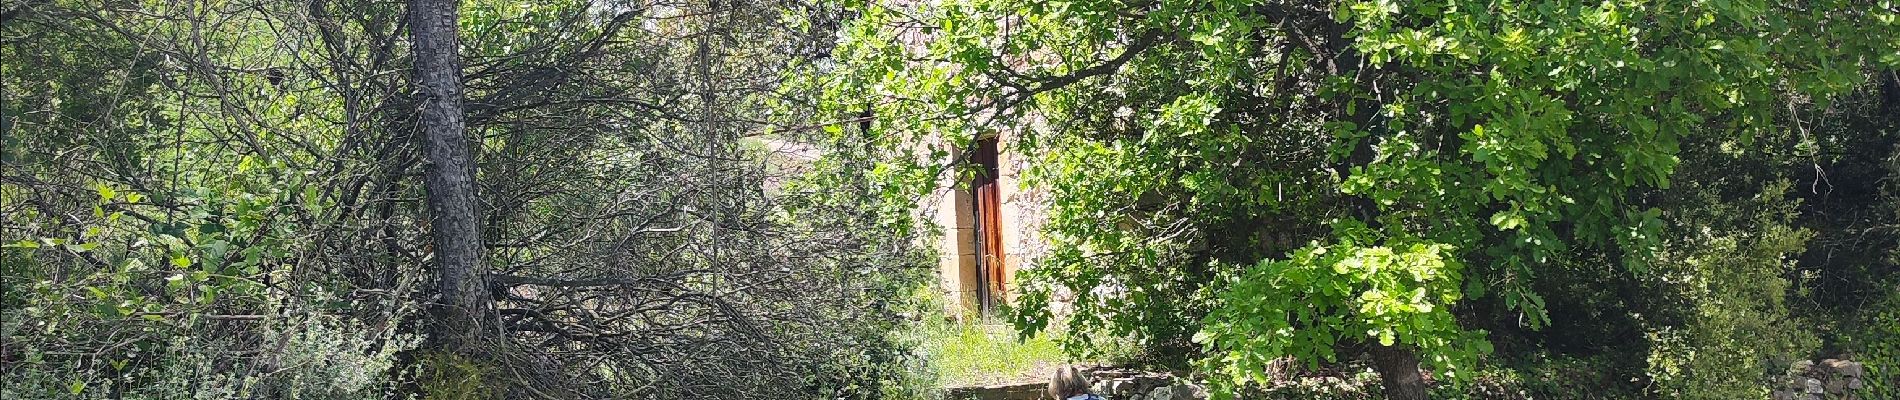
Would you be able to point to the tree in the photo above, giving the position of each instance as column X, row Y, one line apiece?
column 466, row 310
column 1305, row 178
column 232, row 200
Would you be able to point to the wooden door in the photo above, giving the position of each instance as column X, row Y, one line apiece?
column 991, row 275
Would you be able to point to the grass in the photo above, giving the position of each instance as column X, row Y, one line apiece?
column 971, row 354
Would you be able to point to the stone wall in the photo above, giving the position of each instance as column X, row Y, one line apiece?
column 1018, row 391
column 1113, row 384
column 1829, row 379
column 1132, row 385
column 950, row 208
column 1108, row 383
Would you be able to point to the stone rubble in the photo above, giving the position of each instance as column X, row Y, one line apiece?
column 1109, row 383
column 1828, row 379
column 1132, row 385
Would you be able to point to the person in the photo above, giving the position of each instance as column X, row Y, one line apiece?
column 1070, row 384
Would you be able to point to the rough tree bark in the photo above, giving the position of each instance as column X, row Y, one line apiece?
column 1398, row 371
column 465, row 310
column 1398, row 364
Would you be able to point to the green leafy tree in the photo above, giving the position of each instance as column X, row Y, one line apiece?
column 1297, row 178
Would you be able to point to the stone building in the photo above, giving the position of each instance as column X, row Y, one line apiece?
column 988, row 223
column 983, row 224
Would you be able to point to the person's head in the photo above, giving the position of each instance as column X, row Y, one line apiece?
column 1068, row 383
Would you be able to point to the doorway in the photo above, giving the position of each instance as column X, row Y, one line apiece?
column 992, row 277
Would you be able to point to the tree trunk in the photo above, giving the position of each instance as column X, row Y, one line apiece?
column 1398, row 371
column 464, row 311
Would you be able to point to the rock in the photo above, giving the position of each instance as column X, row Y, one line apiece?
column 1161, row 393
column 1781, row 395
column 1100, row 387
column 1800, row 367
column 1854, row 384
column 1843, row 367
column 1183, row 391
column 1836, row 386
column 1120, row 386
column 1794, row 384
column 1814, row 386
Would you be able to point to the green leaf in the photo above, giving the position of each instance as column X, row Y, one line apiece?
column 105, row 192
column 80, row 247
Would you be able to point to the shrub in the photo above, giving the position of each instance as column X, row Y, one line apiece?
column 1544, row 376
column 1874, row 340
column 1724, row 329
column 449, row 376
column 323, row 357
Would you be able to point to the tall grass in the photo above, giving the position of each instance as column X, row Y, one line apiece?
column 968, row 354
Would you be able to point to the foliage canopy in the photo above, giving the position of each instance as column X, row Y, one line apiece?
column 1284, row 178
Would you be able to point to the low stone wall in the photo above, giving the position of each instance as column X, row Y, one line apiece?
column 1134, row 385
column 1113, row 384
column 1829, row 379
column 1017, row 391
